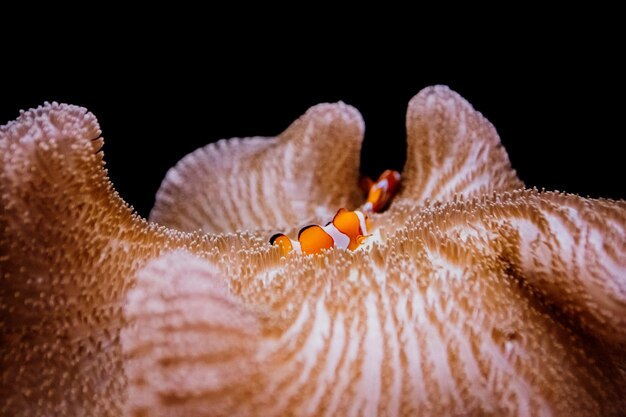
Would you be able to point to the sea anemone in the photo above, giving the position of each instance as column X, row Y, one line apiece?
column 477, row 296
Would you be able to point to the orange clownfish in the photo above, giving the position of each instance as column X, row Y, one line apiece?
column 347, row 230
column 380, row 193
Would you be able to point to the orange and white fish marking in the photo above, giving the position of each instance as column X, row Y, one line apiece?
column 286, row 245
column 347, row 230
column 380, row 193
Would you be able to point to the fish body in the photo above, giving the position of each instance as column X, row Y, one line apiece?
column 380, row 193
column 347, row 230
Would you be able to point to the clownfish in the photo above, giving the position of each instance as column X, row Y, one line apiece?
column 347, row 230
column 380, row 193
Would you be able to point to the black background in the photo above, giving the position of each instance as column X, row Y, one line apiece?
column 558, row 107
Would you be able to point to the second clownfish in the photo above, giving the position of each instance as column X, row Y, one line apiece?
column 380, row 193
column 347, row 230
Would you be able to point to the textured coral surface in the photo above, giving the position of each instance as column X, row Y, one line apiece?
column 474, row 297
